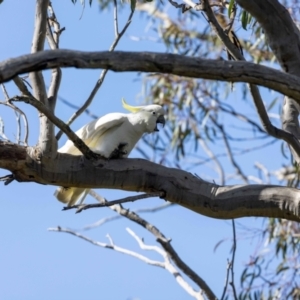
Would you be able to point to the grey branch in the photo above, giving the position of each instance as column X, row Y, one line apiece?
column 231, row 71
column 283, row 37
column 117, row 217
column 261, row 110
column 181, row 187
column 166, row 264
column 82, row 207
column 101, row 79
column 60, row 124
column 166, row 244
column 53, row 40
column 47, row 143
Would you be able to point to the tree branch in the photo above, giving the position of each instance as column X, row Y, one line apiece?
column 283, row 37
column 260, row 108
column 53, row 41
column 118, row 36
column 47, row 143
column 183, row 188
column 38, row 42
column 60, row 124
column 166, row 244
column 82, row 207
column 231, row 71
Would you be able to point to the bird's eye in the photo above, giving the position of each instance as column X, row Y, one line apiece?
column 153, row 113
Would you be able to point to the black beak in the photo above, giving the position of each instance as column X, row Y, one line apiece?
column 160, row 120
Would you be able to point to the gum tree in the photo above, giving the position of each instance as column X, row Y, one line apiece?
column 194, row 80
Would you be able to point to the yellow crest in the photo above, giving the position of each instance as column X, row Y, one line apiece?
column 132, row 109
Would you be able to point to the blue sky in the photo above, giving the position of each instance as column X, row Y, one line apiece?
column 37, row 264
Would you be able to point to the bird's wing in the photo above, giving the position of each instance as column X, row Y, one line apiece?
column 94, row 129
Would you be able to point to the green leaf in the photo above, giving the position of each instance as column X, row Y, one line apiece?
column 245, row 19
column 231, row 4
column 272, row 104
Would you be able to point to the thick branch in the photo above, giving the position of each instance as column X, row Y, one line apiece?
column 222, row 202
column 283, row 37
column 47, row 143
column 38, row 42
column 155, row 62
column 282, row 33
column 260, row 107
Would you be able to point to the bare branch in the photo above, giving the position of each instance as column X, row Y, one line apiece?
column 81, row 207
column 104, row 72
column 111, row 246
column 231, row 71
column 168, row 266
column 18, row 112
column 166, row 246
column 53, row 40
column 47, row 143
column 19, row 82
column 232, row 261
column 231, row 156
column 215, row 159
column 116, row 217
column 7, row 179
column 2, row 134
column 38, row 41
column 60, row 124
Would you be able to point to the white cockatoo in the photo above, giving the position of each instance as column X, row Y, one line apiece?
column 112, row 136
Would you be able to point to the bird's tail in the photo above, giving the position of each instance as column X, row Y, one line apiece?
column 71, row 195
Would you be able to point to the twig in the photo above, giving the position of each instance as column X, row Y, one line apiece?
column 214, row 158
column 264, row 170
column 60, row 124
column 2, row 134
column 81, row 207
column 231, row 156
column 20, row 112
column 7, row 179
column 116, row 217
column 111, row 245
column 19, row 82
column 168, row 266
column 165, row 243
column 226, row 281
column 104, row 72
column 232, row 260
column 116, row 25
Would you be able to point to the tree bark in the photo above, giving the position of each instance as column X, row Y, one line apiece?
column 183, row 188
column 231, row 71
